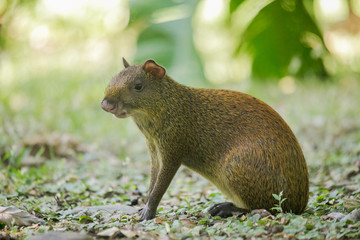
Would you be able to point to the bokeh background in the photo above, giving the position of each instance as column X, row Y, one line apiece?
column 57, row 57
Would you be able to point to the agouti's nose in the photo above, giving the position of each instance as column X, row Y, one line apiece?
column 107, row 106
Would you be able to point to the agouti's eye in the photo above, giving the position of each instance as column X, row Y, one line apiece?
column 138, row 86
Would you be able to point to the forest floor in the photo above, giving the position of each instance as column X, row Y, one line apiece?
column 57, row 182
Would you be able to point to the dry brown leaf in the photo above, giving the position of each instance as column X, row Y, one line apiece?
column 187, row 222
column 158, row 220
column 11, row 236
column 284, row 221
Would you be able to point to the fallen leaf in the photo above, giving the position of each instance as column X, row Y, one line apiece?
column 200, row 215
column 129, row 233
column 158, row 220
column 284, row 221
column 354, row 216
column 2, row 177
column 33, row 192
column 261, row 212
column 5, row 236
column 106, row 210
column 167, row 227
column 11, row 236
column 61, row 236
column 352, row 187
column 35, row 226
column 355, row 171
column 276, row 229
column 110, row 232
column 351, row 203
column 32, row 161
column 12, row 215
column 54, row 144
column 334, row 215
column 187, row 222
column 72, row 178
column 289, row 236
column 218, row 223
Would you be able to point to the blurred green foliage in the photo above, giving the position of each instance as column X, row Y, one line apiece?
column 166, row 34
column 281, row 40
column 56, row 57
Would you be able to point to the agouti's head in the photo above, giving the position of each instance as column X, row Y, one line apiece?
column 134, row 89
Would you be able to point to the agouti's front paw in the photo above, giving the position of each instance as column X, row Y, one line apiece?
column 226, row 209
column 146, row 213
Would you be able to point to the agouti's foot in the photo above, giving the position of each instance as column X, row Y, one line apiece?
column 146, row 214
column 226, row 209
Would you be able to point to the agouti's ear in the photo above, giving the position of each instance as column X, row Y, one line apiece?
column 126, row 64
column 157, row 71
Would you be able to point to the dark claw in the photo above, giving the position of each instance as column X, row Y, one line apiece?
column 226, row 209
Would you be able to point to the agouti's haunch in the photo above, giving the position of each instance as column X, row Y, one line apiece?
column 236, row 141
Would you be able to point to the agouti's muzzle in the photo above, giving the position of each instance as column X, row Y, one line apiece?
column 107, row 106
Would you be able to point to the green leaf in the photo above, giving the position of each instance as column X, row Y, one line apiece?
column 309, row 226
column 320, row 198
column 85, row 219
column 276, row 196
column 281, row 40
column 261, row 222
column 234, row 4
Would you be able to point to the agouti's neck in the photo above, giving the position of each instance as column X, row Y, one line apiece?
column 164, row 110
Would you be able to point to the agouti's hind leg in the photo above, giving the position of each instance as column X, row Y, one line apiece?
column 226, row 209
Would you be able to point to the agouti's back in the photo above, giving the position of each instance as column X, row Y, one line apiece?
column 234, row 140
column 252, row 151
column 249, row 150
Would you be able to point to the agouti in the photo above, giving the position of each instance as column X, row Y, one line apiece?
column 236, row 141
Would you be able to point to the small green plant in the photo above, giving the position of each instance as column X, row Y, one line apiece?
column 280, row 199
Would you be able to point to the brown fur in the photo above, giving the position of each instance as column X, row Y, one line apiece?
column 234, row 140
